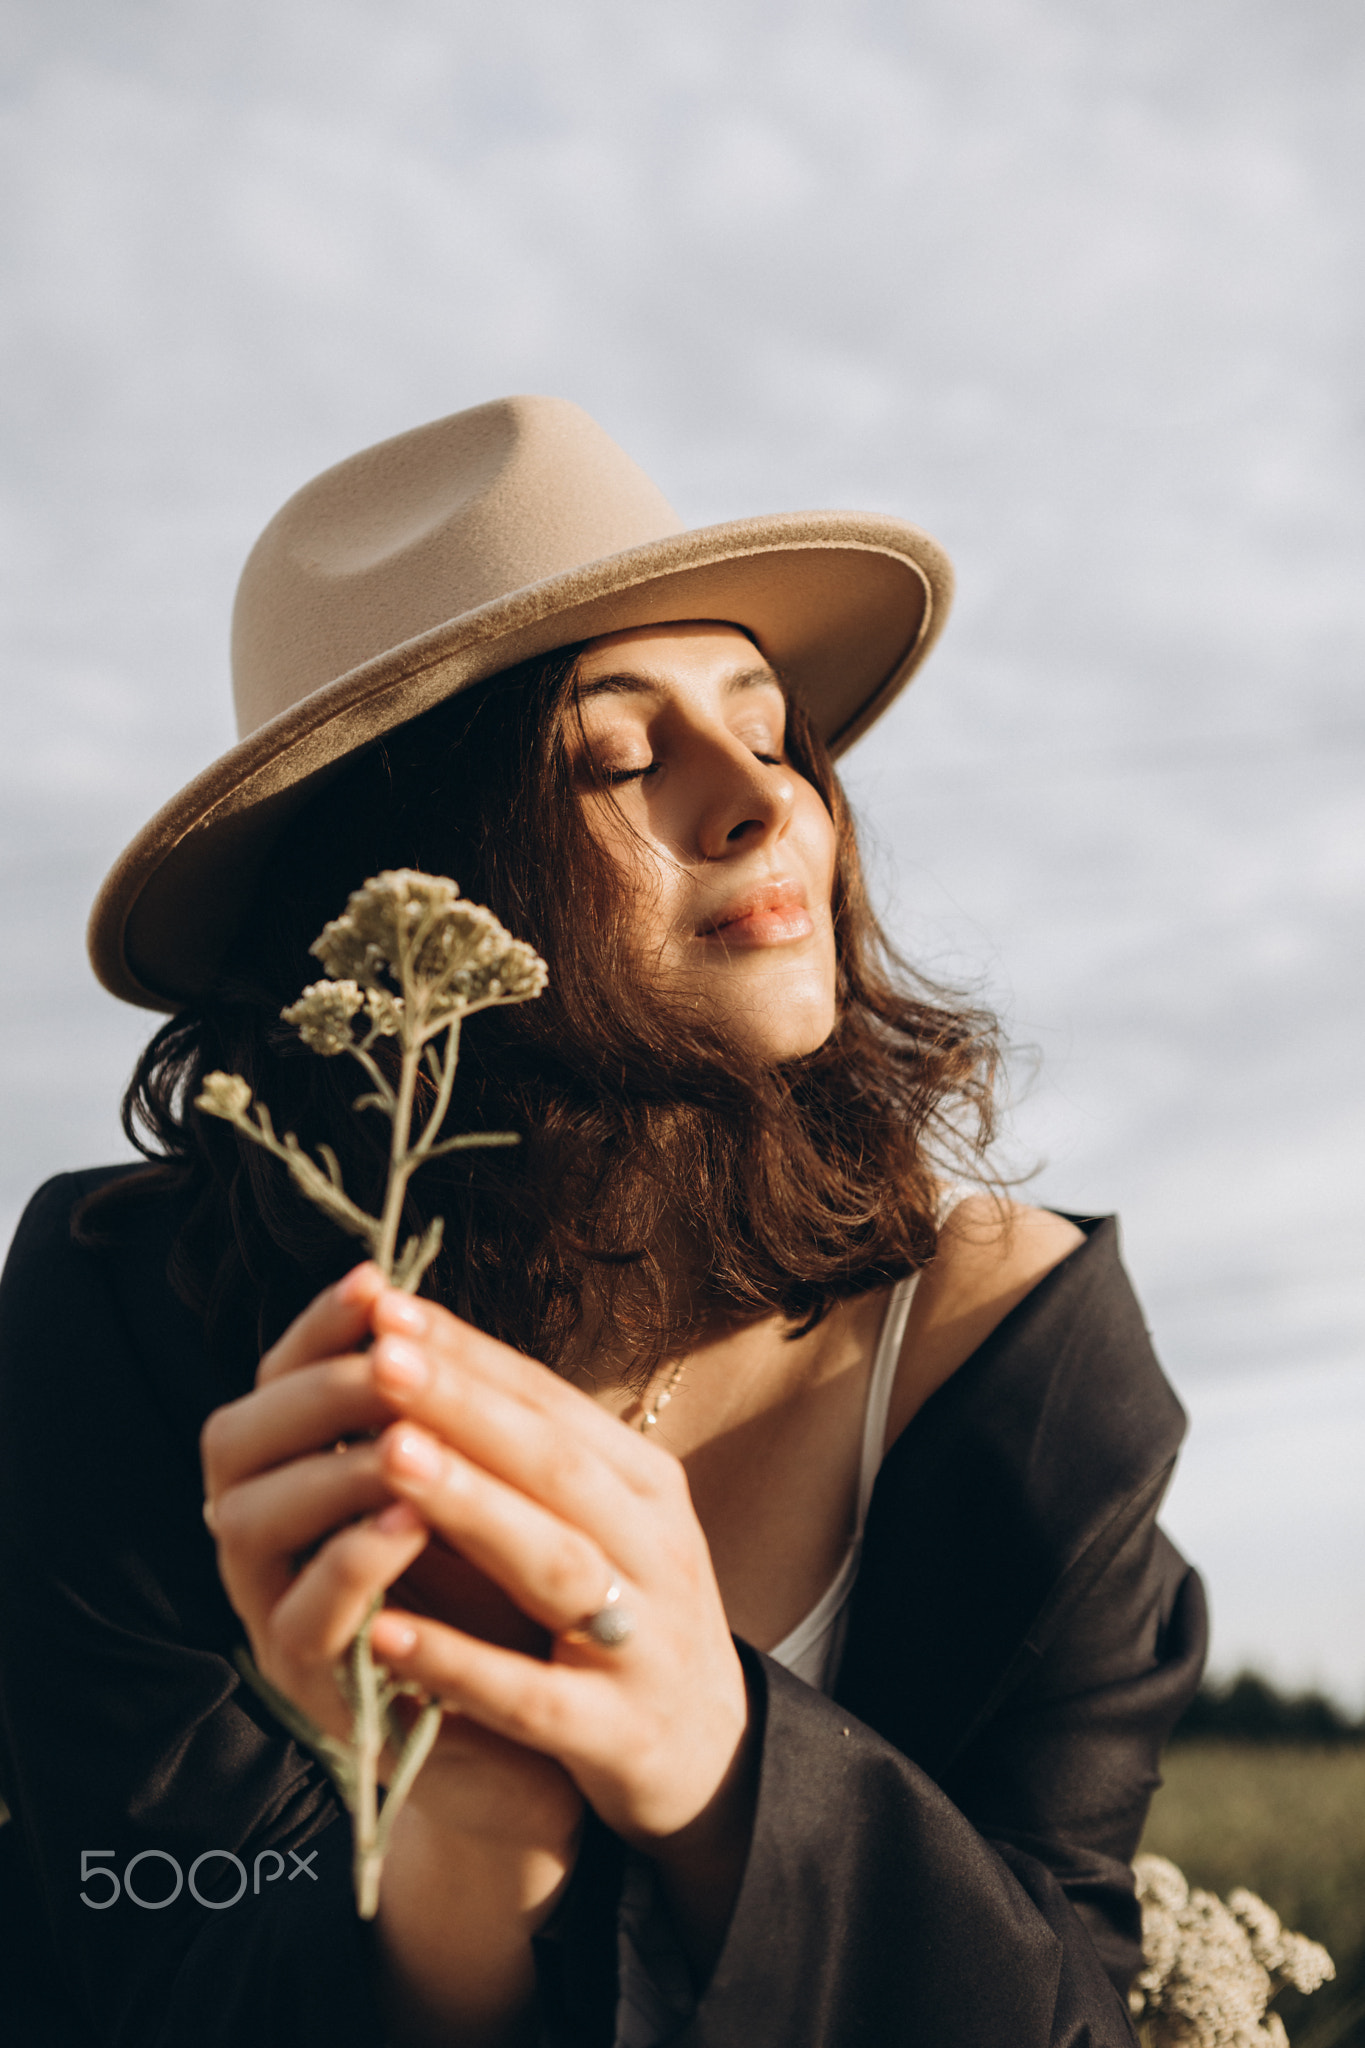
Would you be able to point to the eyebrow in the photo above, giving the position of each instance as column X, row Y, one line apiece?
column 630, row 683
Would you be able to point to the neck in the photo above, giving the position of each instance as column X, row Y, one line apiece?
column 732, row 1377
column 602, row 1357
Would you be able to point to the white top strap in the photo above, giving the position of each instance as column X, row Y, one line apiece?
column 882, row 1380
column 812, row 1649
column 879, row 1387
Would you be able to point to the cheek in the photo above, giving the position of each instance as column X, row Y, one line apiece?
column 820, row 840
column 643, row 874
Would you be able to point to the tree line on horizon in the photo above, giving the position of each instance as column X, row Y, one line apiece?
column 1248, row 1708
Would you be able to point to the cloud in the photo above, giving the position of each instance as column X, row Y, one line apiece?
column 1082, row 292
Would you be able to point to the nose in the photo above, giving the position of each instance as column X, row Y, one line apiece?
column 745, row 801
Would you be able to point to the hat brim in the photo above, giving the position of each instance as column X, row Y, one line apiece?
column 845, row 606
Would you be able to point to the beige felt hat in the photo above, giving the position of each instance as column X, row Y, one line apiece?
column 445, row 555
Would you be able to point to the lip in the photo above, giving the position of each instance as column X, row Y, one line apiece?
column 773, row 914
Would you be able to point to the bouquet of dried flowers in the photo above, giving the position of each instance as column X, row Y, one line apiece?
column 409, row 960
column 1210, row 1969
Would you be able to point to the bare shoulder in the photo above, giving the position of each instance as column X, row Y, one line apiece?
column 999, row 1247
column 991, row 1254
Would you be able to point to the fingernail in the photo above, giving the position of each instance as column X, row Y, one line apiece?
column 392, row 1638
column 406, row 1313
column 417, row 1457
column 400, row 1365
column 357, row 1284
column 400, row 1519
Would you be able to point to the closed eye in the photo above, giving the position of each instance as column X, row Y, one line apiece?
column 616, row 778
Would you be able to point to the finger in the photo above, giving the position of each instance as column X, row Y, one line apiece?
column 338, row 1320
column 319, row 1617
column 484, row 1361
column 556, row 1461
column 553, row 1571
column 263, row 1525
column 300, row 1412
column 561, row 1459
column 548, row 1707
column 446, row 1586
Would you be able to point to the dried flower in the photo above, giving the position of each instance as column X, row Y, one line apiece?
column 375, row 933
column 1210, row 1970
column 413, row 928
column 1293, row 1958
column 225, row 1095
column 385, row 1012
column 322, row 1016
column 414, row 960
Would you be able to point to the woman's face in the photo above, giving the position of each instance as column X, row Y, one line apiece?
column 726, row 853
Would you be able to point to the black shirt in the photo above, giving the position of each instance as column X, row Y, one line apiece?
column 940, row 1851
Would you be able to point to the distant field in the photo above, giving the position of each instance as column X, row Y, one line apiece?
column 1290, row 1823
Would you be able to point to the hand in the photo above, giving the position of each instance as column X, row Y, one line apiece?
column 277, row 1492
column 553, row 1500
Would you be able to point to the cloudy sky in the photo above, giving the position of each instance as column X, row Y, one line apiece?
column 1078, row 288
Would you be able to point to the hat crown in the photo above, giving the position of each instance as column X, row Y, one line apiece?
column 426, row 527
column 428, row 563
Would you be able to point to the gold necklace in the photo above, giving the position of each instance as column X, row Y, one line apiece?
column 651, row 1411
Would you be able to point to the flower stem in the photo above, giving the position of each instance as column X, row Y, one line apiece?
column 401, row 1162
column 443, row 1093
column 375, row 936
column 369, row 1738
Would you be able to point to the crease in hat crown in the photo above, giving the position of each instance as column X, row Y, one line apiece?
column 424, row 528
column 436, row 559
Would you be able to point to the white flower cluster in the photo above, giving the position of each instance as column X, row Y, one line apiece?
column 225, row 1095
column 415, row 928
column 1210, row 1969
column 1293, row 1958
column 322, row 1015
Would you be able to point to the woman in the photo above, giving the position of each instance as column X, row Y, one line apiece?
column 821, row 1704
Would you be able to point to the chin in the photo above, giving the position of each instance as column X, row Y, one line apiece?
column 788, row 1034
column 801, row 1048
column 770, row 1010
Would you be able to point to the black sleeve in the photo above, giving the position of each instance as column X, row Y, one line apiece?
column 1064, row 1771
column 996, row 1910
column 126, row 1737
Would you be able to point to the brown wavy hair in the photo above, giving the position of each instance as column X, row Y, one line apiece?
column 648, row 1143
